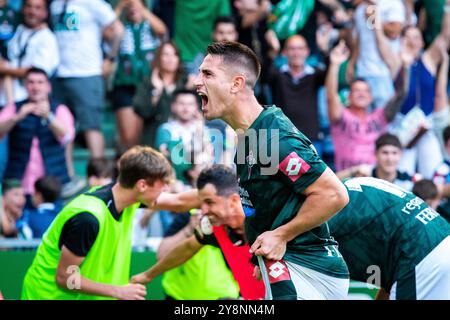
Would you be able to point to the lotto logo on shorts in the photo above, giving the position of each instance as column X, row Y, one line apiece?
column 277, row 271
column 293, row 166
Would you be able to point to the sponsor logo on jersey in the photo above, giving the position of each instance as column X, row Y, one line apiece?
column 293, row 166
column 277, row 271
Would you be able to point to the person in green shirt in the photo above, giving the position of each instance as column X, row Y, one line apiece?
column 86, row 251
column 143, row 34
column 282, row 194
column 394, row 240
column 9, row 20
column 193, row 27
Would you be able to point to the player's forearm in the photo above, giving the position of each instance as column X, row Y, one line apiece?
column 168, row 243
column 80, row 284
column 181, row 202
column 314, row 212
column 324, row 199
column 176, row 257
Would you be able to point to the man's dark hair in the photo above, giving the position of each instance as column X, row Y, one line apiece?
column 387, row 139
column 225, row 19
column 425, row 189
column 101, row 168
column 239, row 55
column 145, row 163
column 446, row 134
column 179, row 92
column 34, row 70
column 221, row 177
column 49, row 187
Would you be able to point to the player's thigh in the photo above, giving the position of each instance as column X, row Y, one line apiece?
column 289, row 281
column 429, row 280
column 433, row 274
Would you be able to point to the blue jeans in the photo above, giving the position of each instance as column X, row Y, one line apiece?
column 3, row 156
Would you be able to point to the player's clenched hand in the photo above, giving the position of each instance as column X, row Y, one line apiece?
column 270, row 245
column 141, row 278
column 131, row 291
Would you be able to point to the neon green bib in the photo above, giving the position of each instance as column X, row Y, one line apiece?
column 107, row 262
column 203, row 277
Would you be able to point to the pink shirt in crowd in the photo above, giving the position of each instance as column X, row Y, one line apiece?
column 354, row 138
column 35, row 167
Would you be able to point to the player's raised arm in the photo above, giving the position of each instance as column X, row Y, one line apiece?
column 177, row 256
column 180, row 202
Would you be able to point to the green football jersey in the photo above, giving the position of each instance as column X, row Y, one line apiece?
column 387, row 227
column 275, row 164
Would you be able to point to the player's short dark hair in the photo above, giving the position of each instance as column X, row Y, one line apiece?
column 49, row 187
column 425, row 189
column 387, row 139
column 35, row 70
column 101, row 168
column 238, row 54
column 446, row 134
column 225, row 19
column 221, row 177
column 141, row 162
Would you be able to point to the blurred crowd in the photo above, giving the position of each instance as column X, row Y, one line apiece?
column 365, row 80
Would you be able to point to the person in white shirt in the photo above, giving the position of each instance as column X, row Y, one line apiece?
column 80, row 26
column 369, row 61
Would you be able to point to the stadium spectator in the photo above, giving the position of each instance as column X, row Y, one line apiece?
column 388, row 151
column 421, row 97
column 295, row 89
column 46, row 204
column 143, row 31
column 225, row 29
column 9, row 20
column 79, row 27
column 33, row 45
column 355, row 129
column 184, row 136
column 154, row 94
column 13, row 202
column 275, row 194
column 100, row 172
column 6, row 97
column 39, row 130
column 251, row 17
column 193, row 27
column 428, row 191
column 366, row 56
